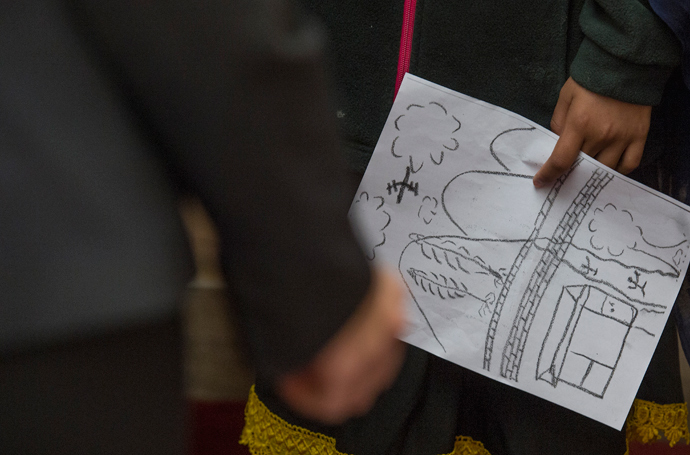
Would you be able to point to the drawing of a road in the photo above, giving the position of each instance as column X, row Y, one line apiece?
column 480, row 272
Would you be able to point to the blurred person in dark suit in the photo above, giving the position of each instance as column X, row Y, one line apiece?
column 108, row 112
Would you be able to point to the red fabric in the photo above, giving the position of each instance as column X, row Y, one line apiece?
column 405, row 41
column 215, row 428
column 659, row 448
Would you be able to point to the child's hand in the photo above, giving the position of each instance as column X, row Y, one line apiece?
column 613, row 132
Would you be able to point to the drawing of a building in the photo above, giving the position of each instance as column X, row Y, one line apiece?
column 571, row 352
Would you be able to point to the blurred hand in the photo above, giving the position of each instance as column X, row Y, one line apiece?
column 358, row 363
column 611, row 131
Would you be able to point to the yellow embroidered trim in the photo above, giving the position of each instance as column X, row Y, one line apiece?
column 649, row 421
column 265, row 433
column 464, row 445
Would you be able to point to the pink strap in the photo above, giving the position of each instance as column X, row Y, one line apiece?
column 405, row 42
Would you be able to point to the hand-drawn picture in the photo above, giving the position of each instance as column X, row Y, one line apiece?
column 375, row 219
column 503, row 138
column 428, row 210
column 573, row 356
column 407, row 143
column 399, row 187
column 435, row 145
column 561, row 291
column 445, row 267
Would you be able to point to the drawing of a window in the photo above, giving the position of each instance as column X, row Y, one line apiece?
column 585, row 339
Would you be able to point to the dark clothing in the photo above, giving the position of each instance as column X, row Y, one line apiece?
column 676, row 13
column 417, row 416
column 434, row 401
column 516, row 55
column 108, row 110
column 108, row 102
column 669, row 141
column 113, row 393
column 90, row 237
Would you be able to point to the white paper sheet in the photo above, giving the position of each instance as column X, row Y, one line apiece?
column 562, row 292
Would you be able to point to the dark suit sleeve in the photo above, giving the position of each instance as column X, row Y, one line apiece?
column 235, row 95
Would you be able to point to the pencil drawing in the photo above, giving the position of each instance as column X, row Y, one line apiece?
column 570, row 354
column 435, row 145
column 370, row 211
column 550, row 289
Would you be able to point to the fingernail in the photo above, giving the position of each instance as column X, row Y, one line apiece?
column 538, row 183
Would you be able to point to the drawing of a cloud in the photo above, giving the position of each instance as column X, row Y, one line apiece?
column 428, row 210
column 431, row 146
column 371, row 222
column 613, row 231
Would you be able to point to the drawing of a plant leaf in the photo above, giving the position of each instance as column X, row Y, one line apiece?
column 458, row 258
column 430, row 252
column 437, row 284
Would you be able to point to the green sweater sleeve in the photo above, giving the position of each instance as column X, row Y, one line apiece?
column 628, row 53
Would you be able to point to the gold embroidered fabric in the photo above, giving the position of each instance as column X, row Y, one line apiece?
column 265, row 433
column 465, row 445
column 649, row 421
